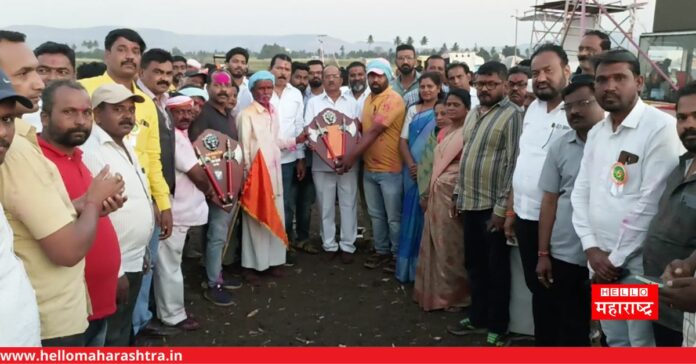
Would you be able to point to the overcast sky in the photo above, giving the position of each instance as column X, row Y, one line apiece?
column 485, row 22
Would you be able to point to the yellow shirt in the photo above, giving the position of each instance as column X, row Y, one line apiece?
column 388, row 109
column 37, row 205
column 144, row 137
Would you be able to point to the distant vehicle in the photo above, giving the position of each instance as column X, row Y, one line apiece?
column 672, row 46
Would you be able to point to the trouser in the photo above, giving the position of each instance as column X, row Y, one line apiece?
column 141, row 312
column 384, row 193
column 566, row 306
column 304, row 200
column 169, row 279
column 289, row 197
column 666, row 337
column 487, row 260
column 218, row 226
column 95, row 336
column 631, row 332
column 527, row 233
column 72, row 340
column 119, row 330
column 328, row 184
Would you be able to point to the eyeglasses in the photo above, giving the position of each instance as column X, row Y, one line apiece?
column 405, row 58
column 489, row 85
column 331, row 77
column 579, row 104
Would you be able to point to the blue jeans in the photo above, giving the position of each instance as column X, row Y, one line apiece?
column 218, row 227
column 141, row 312
column 289, row 197
column 632, row 333
column 383, row 194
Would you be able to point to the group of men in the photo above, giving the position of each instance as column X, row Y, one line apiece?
column 100, row 184
column 586, row 181
column 109, row 159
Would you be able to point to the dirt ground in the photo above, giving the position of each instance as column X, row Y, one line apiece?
column 321, row 302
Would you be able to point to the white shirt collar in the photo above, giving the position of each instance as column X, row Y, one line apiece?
column 633, row 118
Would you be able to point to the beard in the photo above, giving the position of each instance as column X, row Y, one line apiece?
column 405, row 69
column 302, row 88
column 357, row 86
column 548, row 94
column 72, row 137
column 689, row 144
column 376, row 88
column 315, row 83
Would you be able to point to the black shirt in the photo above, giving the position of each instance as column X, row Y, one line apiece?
column 211, row 118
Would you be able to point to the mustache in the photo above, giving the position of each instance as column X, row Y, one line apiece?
column 77, row 130
column 127, row 121
column 164, row 83
column 688, row 132
column 128, row 61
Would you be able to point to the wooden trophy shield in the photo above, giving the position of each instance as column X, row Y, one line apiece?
column 332, row 134
column 221, row 157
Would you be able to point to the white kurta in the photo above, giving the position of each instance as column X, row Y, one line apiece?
column 258, row 130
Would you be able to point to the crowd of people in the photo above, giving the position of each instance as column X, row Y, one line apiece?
column 100, row 184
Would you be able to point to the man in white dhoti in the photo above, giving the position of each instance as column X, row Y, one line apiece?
column 258, row 126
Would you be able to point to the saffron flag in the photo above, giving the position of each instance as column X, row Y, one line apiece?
column 258, row 199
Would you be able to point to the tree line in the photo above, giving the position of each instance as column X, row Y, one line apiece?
column 91, row 49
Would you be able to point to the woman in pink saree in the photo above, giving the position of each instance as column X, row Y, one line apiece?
column 441, row 279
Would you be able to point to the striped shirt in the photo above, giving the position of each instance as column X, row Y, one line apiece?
column 488, row 158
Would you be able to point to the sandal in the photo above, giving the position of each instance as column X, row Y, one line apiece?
column 307, row 247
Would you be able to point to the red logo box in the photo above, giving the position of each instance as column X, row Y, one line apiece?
column 624, row 302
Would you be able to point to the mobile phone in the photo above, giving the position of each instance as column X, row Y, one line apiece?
column 649, row 280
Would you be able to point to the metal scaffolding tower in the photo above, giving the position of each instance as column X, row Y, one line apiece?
column 565, row 21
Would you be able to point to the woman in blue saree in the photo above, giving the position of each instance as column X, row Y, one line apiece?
column 418, row 127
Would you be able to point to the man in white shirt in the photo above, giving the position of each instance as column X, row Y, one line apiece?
column 56, row 62
column 19, row 313
column 237, row 59
column 357, row 82
column 288, row 102
column 189, row 208
column 544, row 123
column 328, row 183
column 626, row 161
column 459, row 76
column 316, row 70
column 109, row 144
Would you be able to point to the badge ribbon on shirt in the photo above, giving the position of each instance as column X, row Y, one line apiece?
column 619, row 176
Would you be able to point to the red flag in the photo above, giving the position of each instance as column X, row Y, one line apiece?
column 257, row 198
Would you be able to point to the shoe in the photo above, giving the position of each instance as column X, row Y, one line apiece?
column 251, row 277
column 496, row 340
column 330, row 255
column 307, row 247
column 463, row 328
column 156, row 328
column 230, row 283
column 277, row 272
column 347, row 258
column 218, row 296
column 376, row 260
column 291, row 258
column 190, row 324
column 390, row 267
